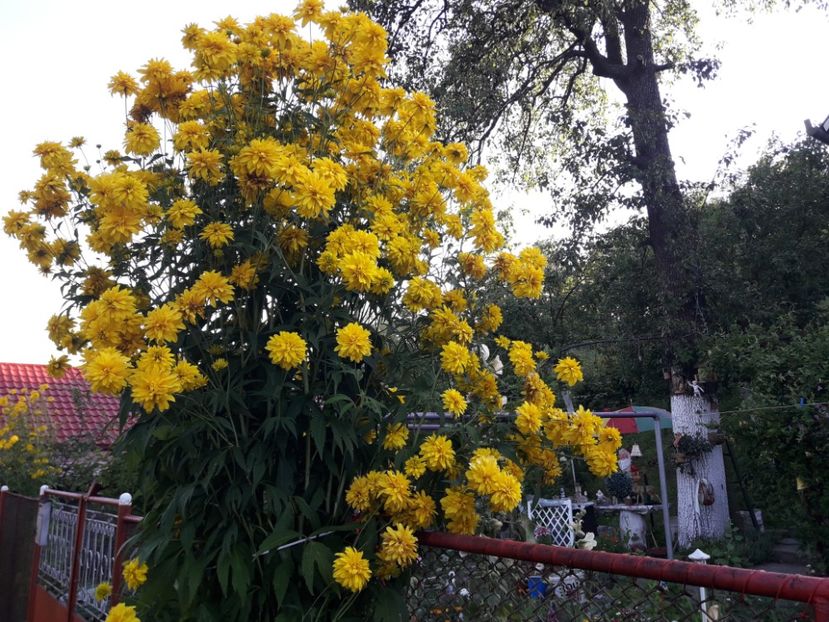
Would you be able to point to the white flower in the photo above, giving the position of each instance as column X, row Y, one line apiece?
column 588, row 542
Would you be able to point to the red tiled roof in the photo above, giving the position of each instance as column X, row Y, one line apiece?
column 74, row 409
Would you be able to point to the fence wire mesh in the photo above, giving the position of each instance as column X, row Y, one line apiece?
column 449, row 585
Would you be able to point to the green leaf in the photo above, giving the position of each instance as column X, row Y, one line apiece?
column 317, row 428
column 389, row 605
column 316, row 555
column 282, row 579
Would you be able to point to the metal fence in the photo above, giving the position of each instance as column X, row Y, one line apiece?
column 17, row 526
column 79, row 544
column 474, row 578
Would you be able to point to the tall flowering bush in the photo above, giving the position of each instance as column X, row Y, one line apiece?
column 279, row 271
column 26, row 438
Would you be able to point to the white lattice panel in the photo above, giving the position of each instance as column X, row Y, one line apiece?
column 557, row 516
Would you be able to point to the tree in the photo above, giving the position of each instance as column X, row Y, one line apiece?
column 265, row 293
column 521, row 63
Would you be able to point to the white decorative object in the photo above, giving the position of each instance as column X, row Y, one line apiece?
column 557, row 516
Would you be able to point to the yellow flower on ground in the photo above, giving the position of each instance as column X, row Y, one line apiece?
column 396, row 436
column 438, row 453
column 135, row 574
column 351, row 569
column 454, row 402
column 353, row 342
column 122, row 613
column 103, row 591
column 399, row 545
column 286, row 349
column 568, row 370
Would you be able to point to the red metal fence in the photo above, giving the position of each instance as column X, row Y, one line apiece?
column 78, row 543
column 476, row 578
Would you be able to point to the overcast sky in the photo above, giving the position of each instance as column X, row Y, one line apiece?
column 59, row 56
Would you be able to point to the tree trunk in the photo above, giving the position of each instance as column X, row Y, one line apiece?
column 691, row 416
column 670, row 234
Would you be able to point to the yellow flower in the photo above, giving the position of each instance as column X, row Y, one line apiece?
column 351, row 569
column 394, row 487
column 359, row 271
column 506, row 493
column 459, row 508
column 135, row 574
column 58, row 366
column 454, row 402
column 182, row 213
column 360, row 494
column 481, row 474
column 421, row 513
column 399, row 545
column 163, row 323
column 568, row 370
column 217, row 234
column 106, row 370
column 206, row 165
column 521, row 357
column 313, row 196
column 286, row 349
column 454, row 358
column 122, row 613
column 141, row 139
column 353, row 342
column 213, row 288
column 219, row 364
column 438, row 453
column 601, row 463
column 415, row 466
column 103, row 591
column 123, row 84
column 396, row 436
column 528, row 420
column 153, row 387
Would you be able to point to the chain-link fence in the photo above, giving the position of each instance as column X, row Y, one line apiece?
column 450, row 584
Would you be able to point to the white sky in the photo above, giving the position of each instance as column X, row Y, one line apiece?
column 59, row 56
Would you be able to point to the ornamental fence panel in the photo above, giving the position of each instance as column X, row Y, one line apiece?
column 76, row 541
column 474, row 578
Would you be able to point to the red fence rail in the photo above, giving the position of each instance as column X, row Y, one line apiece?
column 603, row 584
